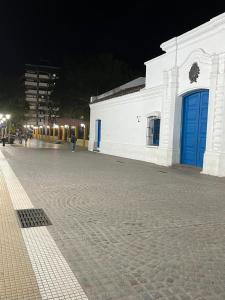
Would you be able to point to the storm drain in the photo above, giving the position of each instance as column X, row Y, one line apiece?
column 33, row 217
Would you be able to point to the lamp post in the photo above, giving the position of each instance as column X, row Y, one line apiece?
column 55, row 127
column 66, row 132
column 83, row 126
column 1, row 122
column 4, row 121
column 47, row 137
column 8, row 117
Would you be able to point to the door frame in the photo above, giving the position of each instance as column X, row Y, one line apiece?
column 182, row 120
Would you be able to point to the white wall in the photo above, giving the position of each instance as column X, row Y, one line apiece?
column 167, row 80
column 121, row 133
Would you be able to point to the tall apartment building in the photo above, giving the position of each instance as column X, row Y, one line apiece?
column 40, row 82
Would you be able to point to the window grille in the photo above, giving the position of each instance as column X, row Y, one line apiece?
column 153, row 129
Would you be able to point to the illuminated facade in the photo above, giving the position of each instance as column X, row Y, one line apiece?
column 178, row 117
column 40, row 82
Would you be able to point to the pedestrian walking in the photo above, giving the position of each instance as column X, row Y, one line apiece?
column 20, row 138
column 25, row 138
column 73, row 141
column 3, row 141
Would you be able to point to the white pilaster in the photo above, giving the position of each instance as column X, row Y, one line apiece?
column 168, row 145
column 214, row 158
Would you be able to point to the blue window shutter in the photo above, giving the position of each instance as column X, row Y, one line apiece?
column 156, row 129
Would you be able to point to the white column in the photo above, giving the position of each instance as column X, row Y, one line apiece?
column 214, row 158
column 169, row 147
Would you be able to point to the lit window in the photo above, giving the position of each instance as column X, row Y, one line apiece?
column 153, row 129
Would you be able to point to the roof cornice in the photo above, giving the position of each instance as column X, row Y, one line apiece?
column 205, row 30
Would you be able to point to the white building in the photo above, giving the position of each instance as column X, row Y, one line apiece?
column 178, row 117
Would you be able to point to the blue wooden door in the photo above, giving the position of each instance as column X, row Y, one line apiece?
column 195, row 112
column 98, row 133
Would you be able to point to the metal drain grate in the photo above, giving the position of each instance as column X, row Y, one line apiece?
column 33, row 217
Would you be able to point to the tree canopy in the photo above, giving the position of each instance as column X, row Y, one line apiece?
column 80, row 78
column 12, row 100
column 85, row 76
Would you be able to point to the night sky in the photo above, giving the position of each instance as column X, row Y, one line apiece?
column 47, row 30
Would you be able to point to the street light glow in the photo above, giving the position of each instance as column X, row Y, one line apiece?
column 5, row 116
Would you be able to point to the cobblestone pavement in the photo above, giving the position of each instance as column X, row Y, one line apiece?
column 129, row 230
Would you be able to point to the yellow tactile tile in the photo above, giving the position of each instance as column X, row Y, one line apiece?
column 17, row 279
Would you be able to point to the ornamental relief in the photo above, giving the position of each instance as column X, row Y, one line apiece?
column 194, row 72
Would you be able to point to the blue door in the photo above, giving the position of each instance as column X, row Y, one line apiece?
column 98, row 132
column 195, row 112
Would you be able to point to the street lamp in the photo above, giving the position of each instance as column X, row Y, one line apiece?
column 3, row 119
column 82, row 125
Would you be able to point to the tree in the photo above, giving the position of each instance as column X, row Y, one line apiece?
column 85, row 76
column 12, row 100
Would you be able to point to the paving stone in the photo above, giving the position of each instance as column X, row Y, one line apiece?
column 54, row 277
column 129, row 224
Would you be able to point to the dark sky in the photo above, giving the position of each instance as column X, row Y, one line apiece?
column 34, row 30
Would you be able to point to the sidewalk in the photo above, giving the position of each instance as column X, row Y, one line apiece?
column 129, row 230
column 17, row 279
column 31, row 265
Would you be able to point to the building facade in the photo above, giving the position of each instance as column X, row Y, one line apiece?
column 178, row 117
column 39, row 84
column 80, row 126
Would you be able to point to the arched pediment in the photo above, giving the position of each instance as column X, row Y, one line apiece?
column 199, row 56
column 194, row 71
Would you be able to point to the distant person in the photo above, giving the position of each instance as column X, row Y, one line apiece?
column 25, row 138
column 73, row 141
column 3, row 140
column 20, row 138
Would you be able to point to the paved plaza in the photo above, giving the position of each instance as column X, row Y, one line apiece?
column 127, row 230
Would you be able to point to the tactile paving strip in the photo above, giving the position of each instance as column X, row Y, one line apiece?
column 54, row 277
column 33, row 217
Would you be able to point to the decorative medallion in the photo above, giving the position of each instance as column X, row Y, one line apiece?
column 194, row 72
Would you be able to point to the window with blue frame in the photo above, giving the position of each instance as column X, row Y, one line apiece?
column 153, row 129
